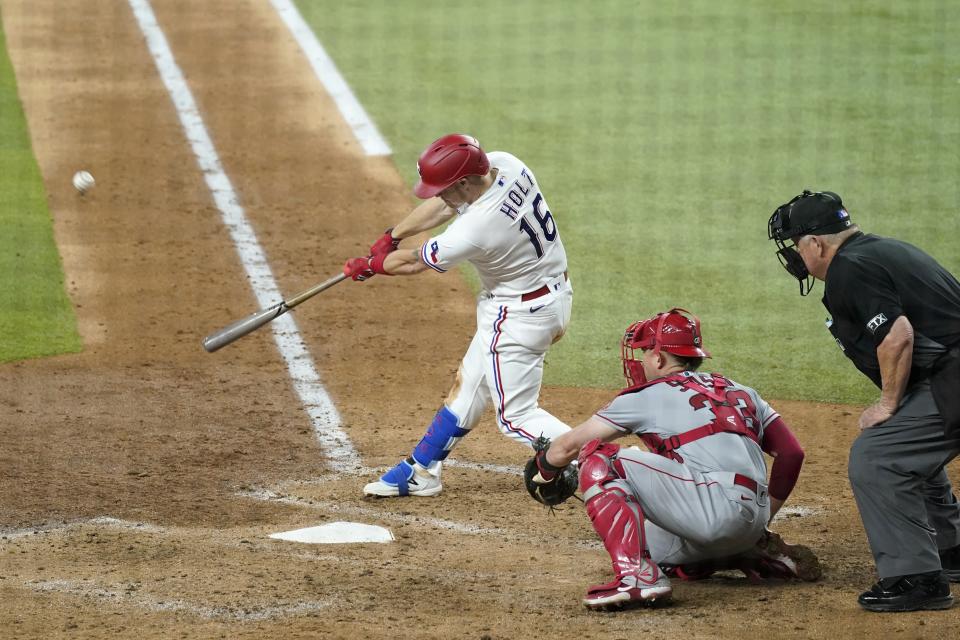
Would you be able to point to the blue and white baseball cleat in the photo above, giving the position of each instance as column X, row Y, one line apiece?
column 406, row 479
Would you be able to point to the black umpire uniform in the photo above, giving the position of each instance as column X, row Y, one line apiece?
column 896, row 467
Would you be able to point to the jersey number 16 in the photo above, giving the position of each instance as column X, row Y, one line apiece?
column 547, row 225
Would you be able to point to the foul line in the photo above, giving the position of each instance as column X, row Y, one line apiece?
column 350, row 108
column 316, row 401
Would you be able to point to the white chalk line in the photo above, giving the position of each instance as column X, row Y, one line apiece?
column 484, row 466
column 128, row 594
column 131, row 594
column 326, row 71
column 796, row 511
column 449, row 462
column 407, row 518
column 99, row 521
column 316, row 401
column 243, row 539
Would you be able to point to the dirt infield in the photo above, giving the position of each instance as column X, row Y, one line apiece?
column 142, row 477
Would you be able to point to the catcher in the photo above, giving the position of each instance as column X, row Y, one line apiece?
column 698, row 501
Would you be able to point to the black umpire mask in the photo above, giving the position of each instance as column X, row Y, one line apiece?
column 809, row 213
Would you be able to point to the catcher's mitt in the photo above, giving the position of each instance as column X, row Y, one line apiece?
column 800, row 561
column 546, row 483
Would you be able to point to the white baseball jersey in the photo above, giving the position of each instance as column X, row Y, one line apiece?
column 511, row 238
column 508, row 234
column 666, row 409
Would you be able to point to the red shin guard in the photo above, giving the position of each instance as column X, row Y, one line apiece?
column 618, row 525
column 621, row 530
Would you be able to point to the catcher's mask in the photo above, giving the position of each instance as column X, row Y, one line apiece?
column 446, row 160
column 676, row 331
column 810, row 213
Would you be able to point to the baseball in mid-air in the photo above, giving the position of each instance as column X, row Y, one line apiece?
column 83, row 181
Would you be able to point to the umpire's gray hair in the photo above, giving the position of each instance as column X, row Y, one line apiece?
column 836, row 239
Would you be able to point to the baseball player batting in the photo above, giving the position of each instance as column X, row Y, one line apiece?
column 503, row 226
column 700, row 494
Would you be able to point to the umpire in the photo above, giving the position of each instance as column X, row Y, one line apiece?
column 895, row 312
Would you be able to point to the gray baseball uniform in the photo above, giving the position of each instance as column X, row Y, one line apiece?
column 706, row 498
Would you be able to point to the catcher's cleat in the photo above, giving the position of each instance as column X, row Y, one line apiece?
column 690, row 572
column 770, row 559
column 405, row 479
column 648, row 588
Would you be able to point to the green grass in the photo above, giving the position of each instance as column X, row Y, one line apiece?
column 664, row 134
column 36, row 318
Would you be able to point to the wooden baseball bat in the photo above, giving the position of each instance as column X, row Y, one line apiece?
column 253, row 322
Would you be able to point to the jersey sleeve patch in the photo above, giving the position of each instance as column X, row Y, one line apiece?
column 876, row 322
column 430, row 254
column 453, row 246
column 869, row 297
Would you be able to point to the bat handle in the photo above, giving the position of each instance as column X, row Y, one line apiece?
column 312, row 291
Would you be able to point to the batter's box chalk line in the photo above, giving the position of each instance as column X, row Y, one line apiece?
column 504, row 469
column 796, row 511
column 484, row 466
column 412, row 519
column 98, row 521
column 130, row 594
column 372, row 513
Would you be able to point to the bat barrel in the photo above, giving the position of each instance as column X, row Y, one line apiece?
column 251, row 323
column 242, row 327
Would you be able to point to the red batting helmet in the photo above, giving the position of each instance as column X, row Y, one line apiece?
column 676, row 331
column 446, row 160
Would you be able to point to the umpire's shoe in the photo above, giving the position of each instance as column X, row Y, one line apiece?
column 909, row 593
column 950, row 561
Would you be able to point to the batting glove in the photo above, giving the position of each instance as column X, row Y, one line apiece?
column 385, row 243
column 358, row 268
column 365, row 268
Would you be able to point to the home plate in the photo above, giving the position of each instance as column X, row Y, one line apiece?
column 337, row 533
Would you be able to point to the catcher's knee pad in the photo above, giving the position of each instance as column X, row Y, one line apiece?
column 441, row 436
column 598, row 465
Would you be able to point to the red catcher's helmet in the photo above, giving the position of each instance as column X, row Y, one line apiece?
column 676, row 331
column 446, row 160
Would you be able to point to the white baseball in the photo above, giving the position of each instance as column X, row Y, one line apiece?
column 82, row 181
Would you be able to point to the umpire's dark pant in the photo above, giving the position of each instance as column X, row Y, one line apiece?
column 903, row 493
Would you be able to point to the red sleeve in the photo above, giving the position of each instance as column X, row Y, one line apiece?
column 779, row 442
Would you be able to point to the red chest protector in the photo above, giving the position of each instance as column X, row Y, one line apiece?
column 727, row 420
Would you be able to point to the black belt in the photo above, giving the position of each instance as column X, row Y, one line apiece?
column 536, row 293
